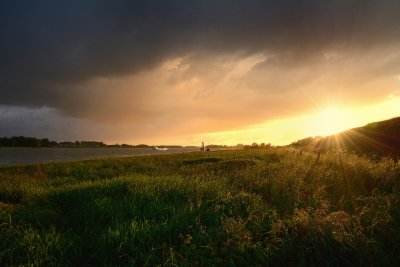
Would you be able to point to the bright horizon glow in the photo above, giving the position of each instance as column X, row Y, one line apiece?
column 331, row 120
column 326, row 121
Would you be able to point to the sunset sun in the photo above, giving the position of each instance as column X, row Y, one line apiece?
column 331, row 120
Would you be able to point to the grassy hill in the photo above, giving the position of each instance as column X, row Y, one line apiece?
column 379, row 138
column 266, row 207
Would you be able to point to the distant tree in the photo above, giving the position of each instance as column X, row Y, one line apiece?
column 92, row 144
column 142, row 146
column 66, row 144
column 53, row 144
column 22, row 141
column 126, row 146
column 6, row 142
column 45, row 142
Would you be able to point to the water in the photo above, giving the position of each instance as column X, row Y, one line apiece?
column 27, row 155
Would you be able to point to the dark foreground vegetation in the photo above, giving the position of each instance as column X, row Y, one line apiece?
column 266, row 207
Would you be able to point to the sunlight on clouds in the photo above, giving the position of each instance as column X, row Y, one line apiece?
column 173, row 64
column 244, row 65
column 327, row 121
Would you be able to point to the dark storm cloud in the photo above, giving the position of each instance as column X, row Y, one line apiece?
column 48, row 49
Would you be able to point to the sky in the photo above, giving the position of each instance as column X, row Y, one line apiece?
column 182, row 72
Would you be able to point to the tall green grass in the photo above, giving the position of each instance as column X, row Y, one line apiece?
column 227, row 208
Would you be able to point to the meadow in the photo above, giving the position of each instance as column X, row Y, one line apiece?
column 261, row 207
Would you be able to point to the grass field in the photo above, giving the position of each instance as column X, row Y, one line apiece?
column 269, row 207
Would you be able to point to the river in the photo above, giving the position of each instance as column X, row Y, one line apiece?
column 28, row 155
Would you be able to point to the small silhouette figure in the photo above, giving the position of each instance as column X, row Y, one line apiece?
column 202, row 147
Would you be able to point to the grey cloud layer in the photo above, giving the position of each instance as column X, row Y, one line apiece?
column 53, row 53
column 72, row 41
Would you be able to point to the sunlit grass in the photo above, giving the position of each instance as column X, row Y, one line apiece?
column 231, row 208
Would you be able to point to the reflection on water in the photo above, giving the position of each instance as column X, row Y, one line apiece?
column 24, row 155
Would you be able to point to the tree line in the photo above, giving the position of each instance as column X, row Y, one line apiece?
column 22, row 141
